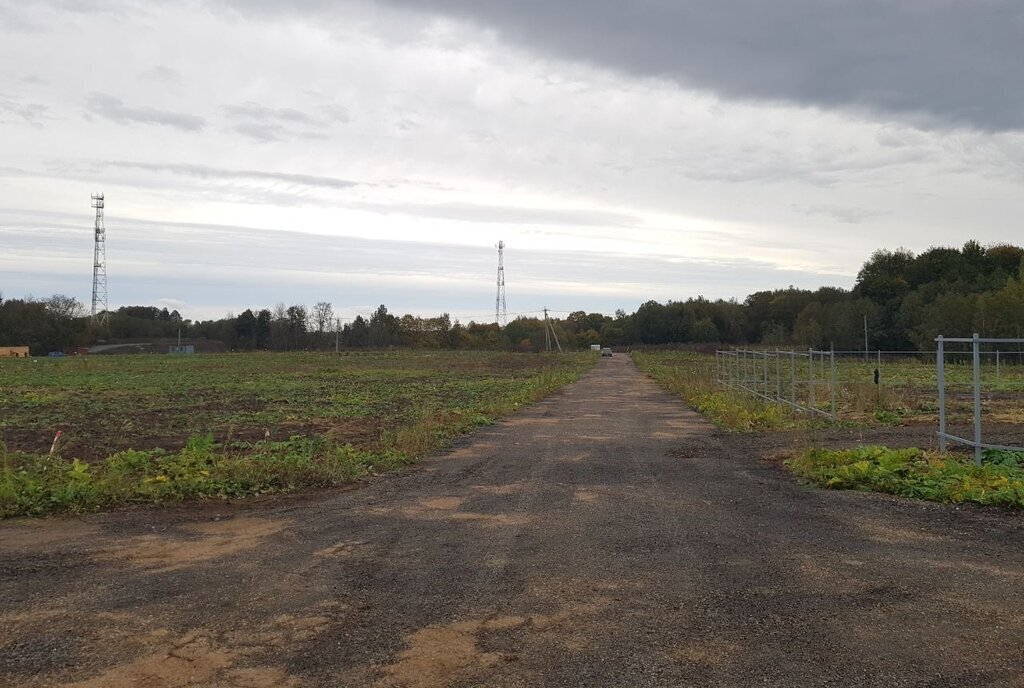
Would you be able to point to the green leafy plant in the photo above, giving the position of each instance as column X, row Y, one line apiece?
column 916, row 473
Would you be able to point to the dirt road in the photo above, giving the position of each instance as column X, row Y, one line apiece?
column 606, row 537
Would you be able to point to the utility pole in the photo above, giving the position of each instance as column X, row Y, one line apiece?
column 100, row 314
column 337, row 335
column 547, row 332
column 500, row 313
column 865, row 338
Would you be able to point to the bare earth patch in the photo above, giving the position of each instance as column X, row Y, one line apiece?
column 445, row 509
column 194, row 660
column 203, row 542
column 713, row 653
column 36, row 534
column 438, row 654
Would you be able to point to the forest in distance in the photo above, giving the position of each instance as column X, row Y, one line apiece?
column 905, row 299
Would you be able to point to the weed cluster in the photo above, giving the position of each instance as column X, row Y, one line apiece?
column 917, row 474
column 692, row 377
column 40, row 484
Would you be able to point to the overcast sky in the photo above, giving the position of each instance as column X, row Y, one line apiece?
column 257, row 151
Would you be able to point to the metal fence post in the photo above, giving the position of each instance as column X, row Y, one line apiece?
column 778, row 377
column 940, row 363
column 766, row 375
column 792, row 379
column 997, row 366
column 977, row 400
column 833, row 382
column 810, row 381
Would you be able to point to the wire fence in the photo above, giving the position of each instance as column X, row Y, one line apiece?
column 975, row 383
column 803, row 380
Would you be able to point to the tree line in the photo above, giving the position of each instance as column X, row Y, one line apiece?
column 904, row 299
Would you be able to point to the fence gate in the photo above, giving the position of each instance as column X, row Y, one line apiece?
column 940, row 361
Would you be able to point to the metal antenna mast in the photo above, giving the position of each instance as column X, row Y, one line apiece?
column 500, row 313
column 99, row 265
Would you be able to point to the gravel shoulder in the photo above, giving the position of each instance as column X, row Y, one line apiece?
column 607, row 536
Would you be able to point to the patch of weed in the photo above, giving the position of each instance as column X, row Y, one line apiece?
column 916, row 473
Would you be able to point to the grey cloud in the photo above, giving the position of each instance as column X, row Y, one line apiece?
column 114, row 109
column 956, row 62
column 162, row 74
column 260, row 131
column 336, row 113
column 14, row 172
column 852, row 216
column 30, row 79
column 263, row 123
column 469, row 212
column 205, row 172
column 255, row 111
column 935, row 62
column 24, row 113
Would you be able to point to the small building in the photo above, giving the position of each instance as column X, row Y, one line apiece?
column 13, row 352
column 181, row 349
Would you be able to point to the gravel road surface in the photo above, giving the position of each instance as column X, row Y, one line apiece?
column 607, row 536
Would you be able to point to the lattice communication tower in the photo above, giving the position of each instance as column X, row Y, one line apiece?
column 500, row 313
column 100, row 313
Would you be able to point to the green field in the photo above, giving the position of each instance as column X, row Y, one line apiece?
column 150, row 427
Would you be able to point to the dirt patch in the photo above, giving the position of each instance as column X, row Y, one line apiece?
column 446, row 513
column 895, row 535
column 490, row 519
column 437, row 655
column 510, row 489
column 346, row 548
column 201, row 543
column 193, row 661
column 33, row 535
column 709, row 654
column 470, row 452
column 975, row 568
column 260, row 677
column 203, row 658
column 282, row 631
column 586, row 496
column 443, row 503
column 830, row 576
column 442, row 654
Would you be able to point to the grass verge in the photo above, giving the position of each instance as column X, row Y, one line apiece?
column 38, row 484
column 692, row 377
column 917, row 474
